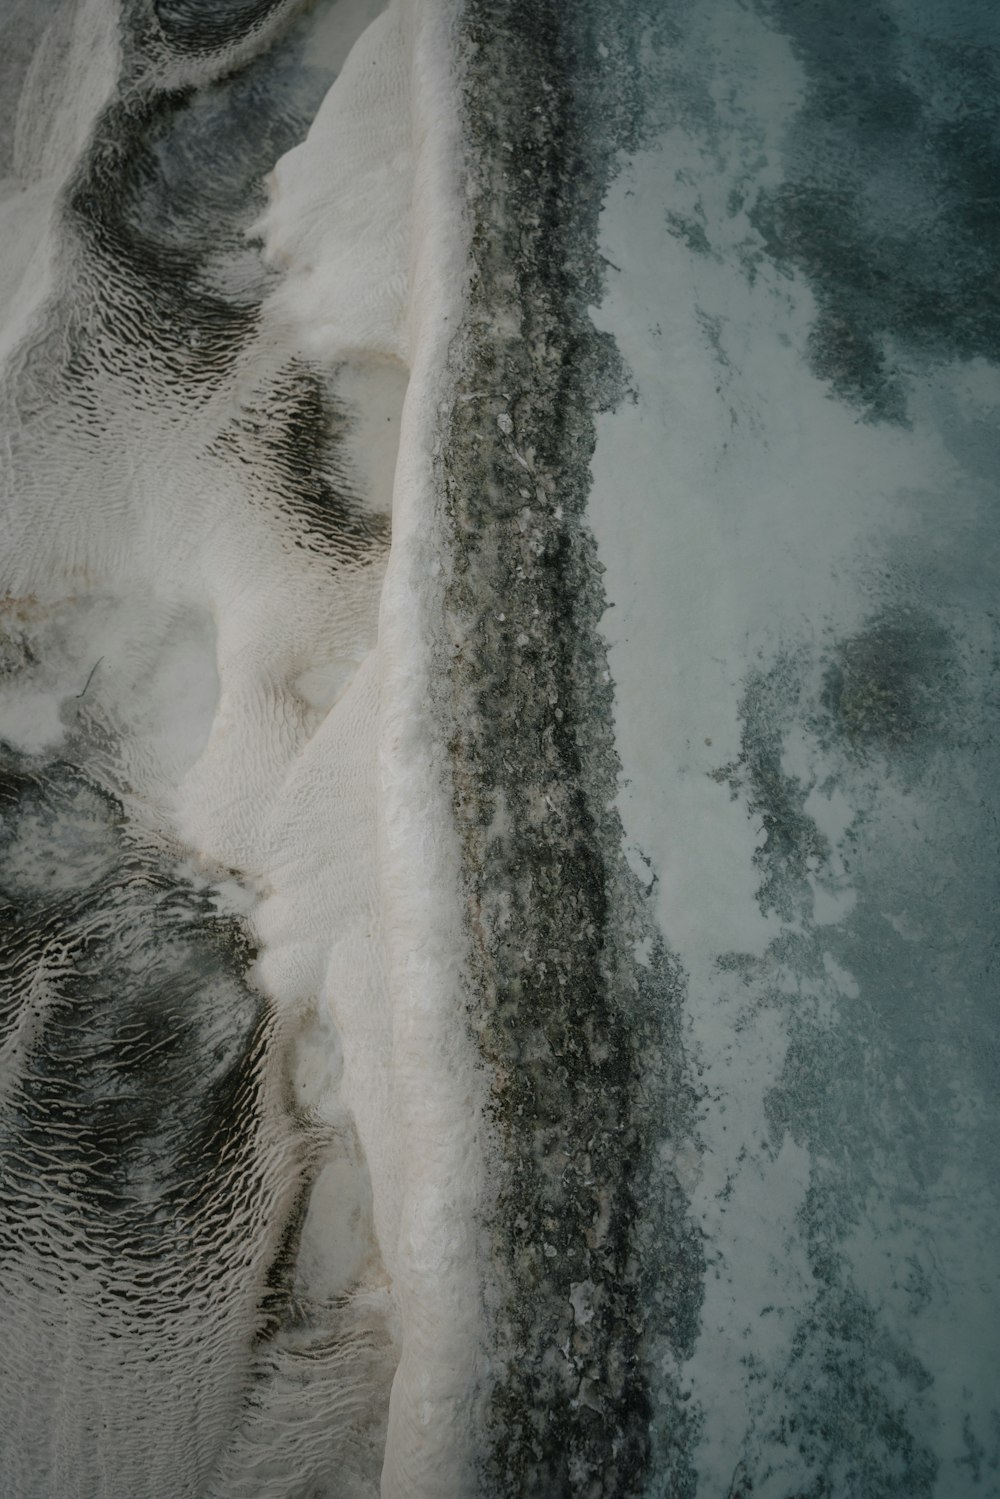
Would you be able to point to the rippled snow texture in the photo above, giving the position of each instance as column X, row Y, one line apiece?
column 195, row 529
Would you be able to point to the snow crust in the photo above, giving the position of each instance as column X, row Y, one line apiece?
column 431, row 1430
column 70, row 77
column 264, row 703
column 356, row 849
column 361, row 861
column 748, row 520
column 340, row 215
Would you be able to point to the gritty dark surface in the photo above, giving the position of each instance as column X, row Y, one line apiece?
column 593, row 1261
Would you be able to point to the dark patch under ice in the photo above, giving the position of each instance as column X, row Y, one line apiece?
column 888, row 203
column 889, row 1065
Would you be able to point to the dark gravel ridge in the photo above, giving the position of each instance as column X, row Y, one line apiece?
column 592, row 1267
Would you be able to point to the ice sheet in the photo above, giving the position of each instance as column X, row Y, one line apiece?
column 799, row 580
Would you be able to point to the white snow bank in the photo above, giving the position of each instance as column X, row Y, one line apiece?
column 259, row 704
column 339, row 220
column 360, row 856
column 431, row 1426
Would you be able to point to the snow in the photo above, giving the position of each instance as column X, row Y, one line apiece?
column 356, row 851
column 339, row 220
column 263, row 701
column 257, row 694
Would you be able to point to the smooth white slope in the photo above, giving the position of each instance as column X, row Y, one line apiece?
column 365, row 217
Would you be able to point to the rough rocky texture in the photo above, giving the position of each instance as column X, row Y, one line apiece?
column 593, row 1264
